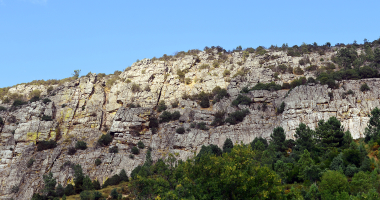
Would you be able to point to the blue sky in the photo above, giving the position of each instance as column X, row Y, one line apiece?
column 49, row 39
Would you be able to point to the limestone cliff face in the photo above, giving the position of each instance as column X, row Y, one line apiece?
column 86, row 108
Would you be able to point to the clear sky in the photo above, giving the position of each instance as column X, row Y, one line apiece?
column 49, row 39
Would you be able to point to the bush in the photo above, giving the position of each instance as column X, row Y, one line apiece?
column 204, row 66
column 30, row 163
column 135, row 150
column 311, row 80
column 281, row 108
column 180, row 130
column 202, row 126
column 98, row 162
column 298, row 71
column 226, row 73
column 105, row 139
column 205, row 102
column 218, row 118
column 237, row 116
column 35, row 93
column 135, row 87
column 114, row 180
column 81, row 145
column 176, row 115
column 113, row 149
column 18, row 102
column 71, row 151
column 175, row 104
column 63, row 105
column 69, row 190
column 46, row 100
column 15, row 189
column 331, row 182
column 241, row 99
column 140, row 144
column 285, row 86
column 2, row 108
column 311, row 68
column 267, row 86
column 43, row 145
column 364, row 87
column 188, row 81
column 46, row 118
column 33, row 99
column 161, row 106
column 50, row 89
column 1, row 121
column 165, row 117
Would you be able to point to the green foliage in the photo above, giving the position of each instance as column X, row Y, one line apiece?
column 81, row 145
column 364, row 87
column 363, row 182
column 114, row 194
column 175, row 104
column 46, row 118
column 266, row 86
column 30, row 163
column 44, row 145
column 166, row 116
column 202, row 126
column 49, row 182
column 278, row 139
column 135, row 88
column 219, row 93
column 281, row 108
column 330, row 133
column 123, row 176
column 113, row 149
column 87, row 183
column 114, row 180
column 46, row 100
column 226, row 73
column 304, row 138
column 228, row 145
column 18, row 102
column 218, row 118
column 98, row 162
column 59, row 190
column 2, row 108
column 69, row 190
column 181, row 75
column 345, row 57
column 180, row 130
column 332, row 182
column 161, row 106
column 76, row 73
column 140, row 144
column 259, row 143
column 1, row 121
column 105, row 140
column 96, row 184
column 135, row 150
column 71, row 151
column 298, row 71
column 237, row 116
column 78, row 178
column 241, row 99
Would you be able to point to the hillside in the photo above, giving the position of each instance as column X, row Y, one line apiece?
column 240, row 95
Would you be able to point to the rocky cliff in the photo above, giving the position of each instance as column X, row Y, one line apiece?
column 90, row 106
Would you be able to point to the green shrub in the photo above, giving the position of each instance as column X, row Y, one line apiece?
column 131, row 156
column 128, row 80
column 135, row 87
column 298, row 81
column 204, row 66
column 298, row 71
column 193, row 125
column 165, row 117
column 63, row 105
column 135, row 150
column 114, row 180
column 226, row 73
column 282, row 68
column 50, row 89
column 35, row 93
column 240, row 72
column 311, row 80
column 2, row 108
column 180, row 130
column 113, row 149
column 46, row 118
column 140, row 144
column 218, row 118
column 181, row 75
column 202, row 126
column 30, row 163
column 267, row 86
column 311, row 68
column 176, row 115
column 241, row 99
column 364, row 87
column 205, row 102
column 71, row 151
column 34, row 99
column 98, row 162
column 18, row 102
column 237, row 116
column 105, row 140
column 43, row 145
column 161, row 106
column 188, row 81
column 81, row 145
column 175, row 104
column 281, row 108
column 46, row 100
column 1, row 121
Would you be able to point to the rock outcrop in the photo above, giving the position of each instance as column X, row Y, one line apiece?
column 88, row 107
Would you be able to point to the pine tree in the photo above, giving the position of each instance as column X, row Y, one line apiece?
column 114, row 194
column 123, row 175
column 304, row 138
column 304, row 162
column 278, row 139
column 60, row 191
column 228, row 145
column 87, row 183
column 64, row 197
column 78, row 178
column 330, row 133
column 347, row 139
column 96, row 185
column 50, row 182
column 148, row 159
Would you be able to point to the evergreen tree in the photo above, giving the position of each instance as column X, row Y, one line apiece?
column 96, row 184
column 148, row 159
column 64, row 197
column 373, row 129
column 114, row 194
column 60, row 191
column 87, row 183
column 347, row 139
column 278, row 139
column 304, row 138
column 69, row 190
column 304, row 162
column 50, row 182
column 78, row 178
column 123, row 176
column 262, row 146
column 330, row 133
column 228, row 145
column 313, row 193
column 366, row 165
column 337, row 163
